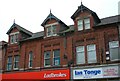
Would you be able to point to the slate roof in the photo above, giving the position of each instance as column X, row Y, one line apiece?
column 35, row 36
column 82, row 8
column 19, row 28
column 109, row 20
column 71, row 28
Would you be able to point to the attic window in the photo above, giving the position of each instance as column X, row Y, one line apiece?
column 87, row 23
column 83, row 24
column 51, row 30
column 14, row 37
column 80, row 24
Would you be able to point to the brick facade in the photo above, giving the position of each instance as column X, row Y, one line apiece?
column 100, row 34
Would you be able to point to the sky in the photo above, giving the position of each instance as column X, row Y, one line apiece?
column 31, row 13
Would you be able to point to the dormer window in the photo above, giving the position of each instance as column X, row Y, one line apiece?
column 87, row 23
column 14, row 37
column 51, row 30
column 80, row 24
column 83, row 24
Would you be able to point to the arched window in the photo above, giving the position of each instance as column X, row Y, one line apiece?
column 30, row 64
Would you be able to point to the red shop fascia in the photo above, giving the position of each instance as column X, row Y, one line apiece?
column 46, row 75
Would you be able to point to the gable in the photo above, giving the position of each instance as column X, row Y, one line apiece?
column 14, row 30
column 18, row 28
column 83, row 9
column 83, row 15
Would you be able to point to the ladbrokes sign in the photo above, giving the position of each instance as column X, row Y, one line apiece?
column 56, row 74
column 63, row 74
column 53, row 75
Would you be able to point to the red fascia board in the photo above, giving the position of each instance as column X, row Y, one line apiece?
column 63, row 74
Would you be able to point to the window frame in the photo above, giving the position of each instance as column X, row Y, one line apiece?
column 9, row 63
column 114, row 47
column 54, row 57
column 47, row 58
column 16, row 62
column 91, row 50
column 14, row 37
column 53, row 30
column 80, row 52
column 80, row 24
column 86, row 23
column 30, row 63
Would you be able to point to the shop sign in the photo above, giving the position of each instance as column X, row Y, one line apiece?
column 112, row 71
column 87, row 73
column 63, row 74
column 102, row 72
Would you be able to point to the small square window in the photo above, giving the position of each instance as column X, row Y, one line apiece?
column 51, row 31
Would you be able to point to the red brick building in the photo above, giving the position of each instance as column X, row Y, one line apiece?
column 87, row 50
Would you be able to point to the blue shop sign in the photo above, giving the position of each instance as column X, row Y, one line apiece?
column 87, row 73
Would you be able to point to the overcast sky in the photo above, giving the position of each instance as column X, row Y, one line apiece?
column 31, row 13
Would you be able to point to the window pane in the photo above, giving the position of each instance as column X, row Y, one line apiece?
column 92, row 57
column 80, row 56
column 30, row 56
column 11, row 39
column 56, row 53
column 9, row 63
column 54, row 29
column 80, row 25
column 87, row 26
column 87, row 20
column 80, row 49
column 56, row 57
column 114, row 44
column 47, row 54
column 57, row 61
column 30, row 59
column 114, row 50
column 16, row 37
column 87, row 23
column 49, row 31
column 91, row 52
column 16, row 58
column 9, row 59
column 114, row 53
column 30, row 64
column 47, row 62
column 90, row 47
column 47, row 58
column 16, row 61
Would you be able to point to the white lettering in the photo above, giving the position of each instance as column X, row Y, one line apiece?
column 52, row 75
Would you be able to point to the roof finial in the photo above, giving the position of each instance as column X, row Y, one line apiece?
column 14, row 21
column 50, row 10
column 81, row 2
column 50, row 14
column 81, row 6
